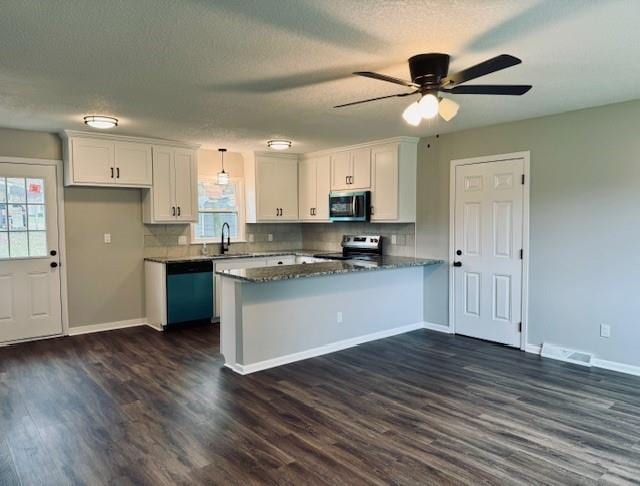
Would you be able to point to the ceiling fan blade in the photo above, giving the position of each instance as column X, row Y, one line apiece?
column 489, row 66
column 448, row 109
column 375, row 99
column 490, row 89
column 384, row 77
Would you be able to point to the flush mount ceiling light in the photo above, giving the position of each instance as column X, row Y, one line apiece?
column 430, row 76
column 223, row 177
column 279, row 144
column 99, row 121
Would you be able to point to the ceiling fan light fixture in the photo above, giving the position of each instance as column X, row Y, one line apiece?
column 428, row 105
column 279, row 144
column 448, row 109
column 101, row 122
column 412, row 114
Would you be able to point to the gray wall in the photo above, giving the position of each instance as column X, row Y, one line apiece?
column 105, row 281
column 585, row 223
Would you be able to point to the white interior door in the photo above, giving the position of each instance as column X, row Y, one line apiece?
column 30, row 301
column 487, row 245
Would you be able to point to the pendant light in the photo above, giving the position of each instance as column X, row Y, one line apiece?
column 223, row 177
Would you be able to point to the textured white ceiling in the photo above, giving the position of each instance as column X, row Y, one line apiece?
column 238, row 72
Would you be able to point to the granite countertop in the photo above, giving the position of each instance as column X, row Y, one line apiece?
column 330, row 267
column 226, row 256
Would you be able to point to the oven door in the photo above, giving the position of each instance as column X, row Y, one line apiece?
column 349, row 206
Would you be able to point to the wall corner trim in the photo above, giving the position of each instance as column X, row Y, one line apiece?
column 109, row 326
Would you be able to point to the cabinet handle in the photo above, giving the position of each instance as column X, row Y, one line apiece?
column 112, row 172
column 350, row 179
column 117, row 172
column 179, row 211
column 277, row 211
column 346, row 179
column 173, row 210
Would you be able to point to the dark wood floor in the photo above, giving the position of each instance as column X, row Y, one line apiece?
column 141, row 407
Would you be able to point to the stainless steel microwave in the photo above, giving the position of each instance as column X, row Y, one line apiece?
column 350, row 206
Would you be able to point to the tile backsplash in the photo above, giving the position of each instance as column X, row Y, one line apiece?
column 327, row 236
column 162, row 240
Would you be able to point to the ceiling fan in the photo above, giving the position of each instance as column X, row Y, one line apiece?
column 430, row 76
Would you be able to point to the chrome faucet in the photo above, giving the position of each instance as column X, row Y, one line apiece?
column 225, row 248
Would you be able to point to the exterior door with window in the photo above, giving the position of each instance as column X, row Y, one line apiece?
column 488, row 239
column 30, row 300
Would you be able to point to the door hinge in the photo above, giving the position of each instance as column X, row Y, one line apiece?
column 521, row 253
column 520, row 327
column 523, row 179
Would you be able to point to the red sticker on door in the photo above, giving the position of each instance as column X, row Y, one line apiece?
column 34, row 188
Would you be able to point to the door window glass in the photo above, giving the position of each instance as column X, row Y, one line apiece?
column 22, row 217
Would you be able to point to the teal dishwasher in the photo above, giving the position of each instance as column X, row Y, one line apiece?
column 189, row 292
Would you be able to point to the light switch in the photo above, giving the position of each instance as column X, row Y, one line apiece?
column 107, row 238
column 182, row 240
column 394, row 240
column 270, row 237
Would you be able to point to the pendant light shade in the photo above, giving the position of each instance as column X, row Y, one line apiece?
column 223, row 177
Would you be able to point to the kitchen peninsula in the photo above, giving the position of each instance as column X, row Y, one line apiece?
column 280, row 314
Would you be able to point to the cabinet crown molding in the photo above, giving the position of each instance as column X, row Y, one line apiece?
column 371, row 143
column 66, row 134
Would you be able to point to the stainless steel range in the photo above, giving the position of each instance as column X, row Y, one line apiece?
column 357, row 247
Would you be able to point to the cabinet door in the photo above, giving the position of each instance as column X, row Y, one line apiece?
column 185, row 184
column 307, row 188
column 323, row 187
column 163, row 192
column 269, row 185
column 93, row 161
column 384, row 194
column 360, row 169
column 288, row 190
column 340, row 171
column 133, row 164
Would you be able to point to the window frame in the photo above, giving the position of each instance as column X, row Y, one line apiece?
column 239, row 183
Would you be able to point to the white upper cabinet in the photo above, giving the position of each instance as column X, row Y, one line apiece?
column 101, row 161
column 186, row 185
column 384, row 194
column 91, row 161
column 360, row 168
column 133, row 164
column 173, row 197
column 387, row 168
column 313, row 188
column 351, row 170
column 271, row 187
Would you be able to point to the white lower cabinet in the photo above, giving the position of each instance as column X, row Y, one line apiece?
column 173, row 197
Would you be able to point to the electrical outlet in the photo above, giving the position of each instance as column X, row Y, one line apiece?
column 394, row 239
column 605, row 330
column 270, row 237
column 107, row 238
column 251, row 238
column 339, row 317
column 182, row 240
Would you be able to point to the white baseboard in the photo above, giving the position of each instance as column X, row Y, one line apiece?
column 437, row 327
column 107, row 326
column 615, row 366
column 533, row 348
column 597, row 363
column 319, row 351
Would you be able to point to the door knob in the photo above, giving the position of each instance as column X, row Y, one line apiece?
column 53, row 264
column 457, row 264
